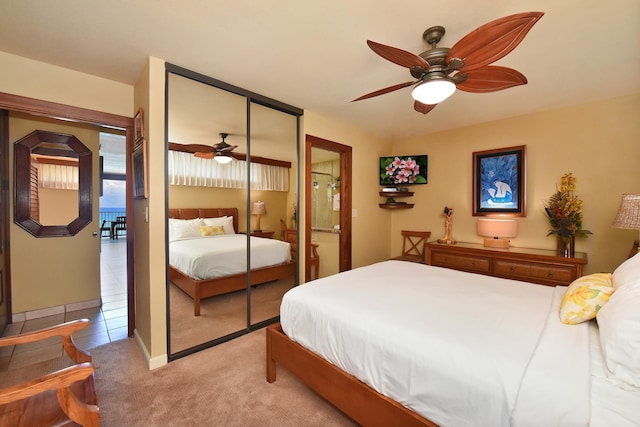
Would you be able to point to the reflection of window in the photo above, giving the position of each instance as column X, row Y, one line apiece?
column 186, row 169
column 34, row 205
column 60, row 177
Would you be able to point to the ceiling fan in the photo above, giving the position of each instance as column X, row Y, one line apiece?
column 220, row 151
column 438, row 72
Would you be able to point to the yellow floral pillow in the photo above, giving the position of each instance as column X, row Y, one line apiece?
column 211, row 230
column 584, row 297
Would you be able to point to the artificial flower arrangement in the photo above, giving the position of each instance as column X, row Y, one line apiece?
column 564, row 210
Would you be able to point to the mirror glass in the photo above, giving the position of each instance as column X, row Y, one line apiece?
column 242, row 279
column 197, row 114
column 273, row 183
column 52, row 184
column 325, row 201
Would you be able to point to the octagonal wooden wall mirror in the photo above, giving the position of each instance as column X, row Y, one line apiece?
column 55, row 148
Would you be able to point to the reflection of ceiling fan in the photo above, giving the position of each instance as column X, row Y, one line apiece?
column 439, row 71
column 220, row 151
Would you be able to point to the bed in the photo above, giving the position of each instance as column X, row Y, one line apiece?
column 462, row 350
column 223, row 271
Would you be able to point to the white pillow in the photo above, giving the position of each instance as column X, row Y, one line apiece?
column 619, row 324
column 627, row 272
column 184, row 228
column 226, row 221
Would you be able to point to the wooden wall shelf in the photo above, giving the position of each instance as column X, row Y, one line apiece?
column 396, row 205
column 392, row 195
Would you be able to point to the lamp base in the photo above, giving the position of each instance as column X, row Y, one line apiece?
column 496, row 243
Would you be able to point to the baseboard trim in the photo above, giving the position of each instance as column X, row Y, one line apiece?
column 152, row 362
column 58, row 309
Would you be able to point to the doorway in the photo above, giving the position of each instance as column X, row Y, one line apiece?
column 340, row 186
column 53, row 111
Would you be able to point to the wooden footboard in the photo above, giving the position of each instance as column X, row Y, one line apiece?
column 200, row 289
column 357, row 400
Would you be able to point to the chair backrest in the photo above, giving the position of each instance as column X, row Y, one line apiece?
column 414, row 243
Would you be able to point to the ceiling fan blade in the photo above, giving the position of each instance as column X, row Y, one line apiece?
column 204, row 155
column 227, row 149
column 398, row 56
column 493, row 40
column 423, row 108
column 386, row 90
column 491, row 79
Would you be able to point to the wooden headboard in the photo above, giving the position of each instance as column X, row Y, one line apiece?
column 191, row 213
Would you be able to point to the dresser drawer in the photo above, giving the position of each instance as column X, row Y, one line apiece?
column 460, row 262
column 534, row 272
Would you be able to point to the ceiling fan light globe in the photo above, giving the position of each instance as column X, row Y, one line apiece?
column 222, row 159
column 433, row 91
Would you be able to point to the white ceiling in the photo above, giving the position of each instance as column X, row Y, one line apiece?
column 314, row 55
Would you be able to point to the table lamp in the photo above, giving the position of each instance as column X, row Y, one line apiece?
column 258, row 209
column 497, row 231
column 628, row 215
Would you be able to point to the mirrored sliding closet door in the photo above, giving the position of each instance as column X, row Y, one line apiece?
column 232, row 168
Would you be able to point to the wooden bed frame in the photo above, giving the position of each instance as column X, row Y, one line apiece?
column 200, row 289
column 356, row 399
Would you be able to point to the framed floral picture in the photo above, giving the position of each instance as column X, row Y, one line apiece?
column 499, row 182
column 139, row 161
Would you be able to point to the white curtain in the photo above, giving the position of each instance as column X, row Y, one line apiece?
column 58, row 176
column 187, row 169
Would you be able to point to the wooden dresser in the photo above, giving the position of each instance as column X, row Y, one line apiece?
column 530, row 265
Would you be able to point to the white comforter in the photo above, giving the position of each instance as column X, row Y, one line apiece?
column 217, row 256
column 458, row 348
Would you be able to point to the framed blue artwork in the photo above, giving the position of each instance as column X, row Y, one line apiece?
column 499, row 182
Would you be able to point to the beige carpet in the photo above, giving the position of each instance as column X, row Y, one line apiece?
column 221, row 386
column 221, row 315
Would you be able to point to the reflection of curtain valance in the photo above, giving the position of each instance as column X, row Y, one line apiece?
column 59, row 177
column 187, row 169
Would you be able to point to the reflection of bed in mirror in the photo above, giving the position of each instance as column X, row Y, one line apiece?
column 222, row 269
column 400, row 343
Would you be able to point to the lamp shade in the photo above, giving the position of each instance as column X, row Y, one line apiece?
column 258, row 208
column 222, row 158
column 433, row 90
column 497, row 227
column 495, row 231
column 628, row 215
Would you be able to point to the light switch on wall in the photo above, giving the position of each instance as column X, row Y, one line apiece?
column 354, row 213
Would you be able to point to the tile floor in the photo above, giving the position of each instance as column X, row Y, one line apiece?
column 108, row 323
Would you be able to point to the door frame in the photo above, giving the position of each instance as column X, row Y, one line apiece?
column 58, row 111
column 344, row 245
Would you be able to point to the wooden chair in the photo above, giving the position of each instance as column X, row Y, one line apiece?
column 63, row 398
column 120, row 225
column 104, row 228
column 290, row 236
column 414, row 245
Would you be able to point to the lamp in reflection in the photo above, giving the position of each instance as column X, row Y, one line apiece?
column 497, row 231
column 258, row 209
column 628, row 215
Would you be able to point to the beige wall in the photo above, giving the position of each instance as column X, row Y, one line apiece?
column 54, row 271
column 57, row 206
column 597, row 142
column 26, row 77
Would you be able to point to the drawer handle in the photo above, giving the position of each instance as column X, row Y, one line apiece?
column 512, row 270
column 550, row 275
column 473, row 263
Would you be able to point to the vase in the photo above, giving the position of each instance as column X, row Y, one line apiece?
column 567, row 246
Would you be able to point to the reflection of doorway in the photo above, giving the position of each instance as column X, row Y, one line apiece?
column 344, row 187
